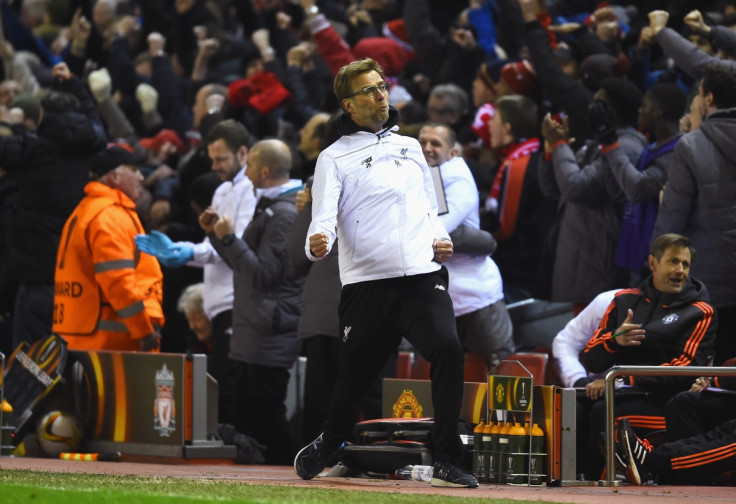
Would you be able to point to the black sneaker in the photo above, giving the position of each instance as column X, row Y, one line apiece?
column 313, row 458
column 447, row 474
column 635, row 452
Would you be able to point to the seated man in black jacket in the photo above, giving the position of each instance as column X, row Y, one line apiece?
column 665, row 321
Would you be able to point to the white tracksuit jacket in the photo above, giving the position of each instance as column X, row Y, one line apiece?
column 375, row 191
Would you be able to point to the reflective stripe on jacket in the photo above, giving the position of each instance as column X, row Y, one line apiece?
column 103, row 284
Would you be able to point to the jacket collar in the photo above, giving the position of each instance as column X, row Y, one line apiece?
column 346, row 126
column 100, row 190
column 694, row 290
column 292, row 185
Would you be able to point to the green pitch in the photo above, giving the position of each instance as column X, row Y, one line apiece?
column 18, row 486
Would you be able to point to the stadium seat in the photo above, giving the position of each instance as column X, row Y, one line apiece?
column 404, row 365
column 420, row 368
column 476, row 369
column 534, row 362
column 551, row 376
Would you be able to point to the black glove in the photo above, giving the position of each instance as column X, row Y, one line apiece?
column 602, row 120
column 150, row 342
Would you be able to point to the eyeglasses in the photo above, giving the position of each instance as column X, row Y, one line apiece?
column 383, row 87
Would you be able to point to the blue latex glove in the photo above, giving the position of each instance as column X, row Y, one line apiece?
column 170, row 254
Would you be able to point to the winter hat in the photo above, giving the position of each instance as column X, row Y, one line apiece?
column 112, row 157
column 387, row 52
column 490, row 72
column 396, row 31
column 29, row 104
column 521, row 78
column 166, row 135
column 563, row 55
column 597, row 67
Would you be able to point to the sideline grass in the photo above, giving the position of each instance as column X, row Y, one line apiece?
column 18, row 486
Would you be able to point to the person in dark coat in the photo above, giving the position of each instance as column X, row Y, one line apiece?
column 267, row 301
column 698, row 198
column 51, row 168
column 589, row 218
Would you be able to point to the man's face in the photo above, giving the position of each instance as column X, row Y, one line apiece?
column 705, row 102
column 571, row 69
column 434, row 144
column 670, row 273
column 439, row 111
column 254, row 67
column 368, row 110
column 103, row 14
column 498, row 131
column 696, row 114
column 307, row 142
column 481, row 93
column 253, row 171
column 224, row 161
column 9, row 89
column 648, row 114
column 200, row 325
column 128, row 178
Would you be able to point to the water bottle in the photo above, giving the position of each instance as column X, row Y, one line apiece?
column 538, row 456
column 493, row 454
column 478, row 465
column 6, row 428
column 517, row 458
column 503, row 451
column 487, row 455
column 415, row 472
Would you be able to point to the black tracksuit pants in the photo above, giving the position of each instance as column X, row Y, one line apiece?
column 701, row 427
column 374, row 316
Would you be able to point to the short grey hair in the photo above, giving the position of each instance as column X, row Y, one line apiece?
column 192, row 299
column 455, row 97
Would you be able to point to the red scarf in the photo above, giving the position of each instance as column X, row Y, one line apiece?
column 515, row 164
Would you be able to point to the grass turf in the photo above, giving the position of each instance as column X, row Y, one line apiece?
column 18, row 486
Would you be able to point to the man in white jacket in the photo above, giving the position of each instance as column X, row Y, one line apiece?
column 483, row 322
column 373, row 190
column 227, row 146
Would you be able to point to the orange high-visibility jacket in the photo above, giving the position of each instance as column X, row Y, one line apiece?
column 107, row 294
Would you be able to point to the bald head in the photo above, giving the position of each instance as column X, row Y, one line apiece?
column 269, row 163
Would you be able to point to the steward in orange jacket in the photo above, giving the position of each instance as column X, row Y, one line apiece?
column 107, row 294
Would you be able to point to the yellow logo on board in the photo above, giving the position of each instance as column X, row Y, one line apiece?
column 407, row 406
column 499, row 393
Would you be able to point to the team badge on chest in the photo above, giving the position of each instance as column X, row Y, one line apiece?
column 672, row 317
